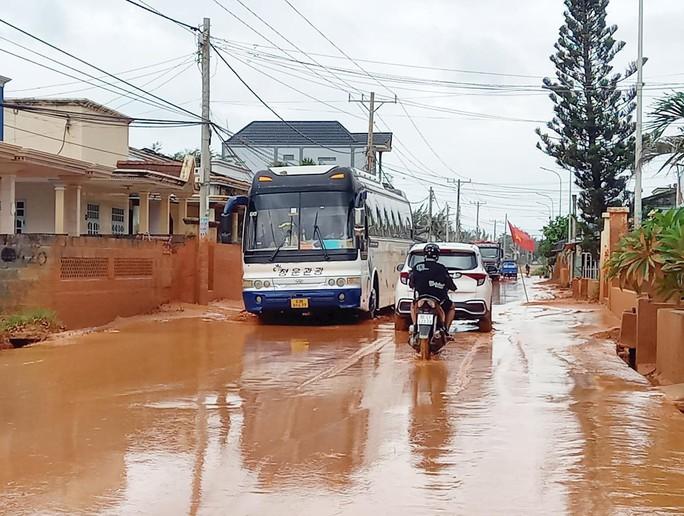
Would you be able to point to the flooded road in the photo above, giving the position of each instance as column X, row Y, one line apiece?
column 210, row 416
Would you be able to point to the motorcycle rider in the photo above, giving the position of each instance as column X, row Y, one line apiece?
column 431, row 278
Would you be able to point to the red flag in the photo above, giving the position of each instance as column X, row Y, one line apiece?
column 521, row 239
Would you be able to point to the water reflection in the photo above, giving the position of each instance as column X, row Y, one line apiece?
column 429, row 422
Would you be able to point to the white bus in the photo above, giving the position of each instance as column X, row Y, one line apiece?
column 321, row 238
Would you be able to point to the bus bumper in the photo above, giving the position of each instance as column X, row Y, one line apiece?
column 261, row 301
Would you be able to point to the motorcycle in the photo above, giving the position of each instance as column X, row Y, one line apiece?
column 428, row 337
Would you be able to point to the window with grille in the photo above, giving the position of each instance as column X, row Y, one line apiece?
column 288, row 158
column 118, row 219
column 93, row 216
column 19, row 216
column 327, row 160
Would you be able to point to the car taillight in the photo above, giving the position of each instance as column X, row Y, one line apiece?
column 479, row 277
column 404, row 277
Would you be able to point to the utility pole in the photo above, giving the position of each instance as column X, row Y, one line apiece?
column 505, row 237
column 495, row 230
column 447, row 222
column 679, row 195
column 205, row 152
column 458, row 205
column 639, row 122
column 477, row 217
column 573, row 224
column 372, row 107
column 370, row 151
column 430, row 216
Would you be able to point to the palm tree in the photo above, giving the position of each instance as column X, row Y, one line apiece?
column 668, row 113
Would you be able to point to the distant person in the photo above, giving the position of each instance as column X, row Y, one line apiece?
column 527, row 269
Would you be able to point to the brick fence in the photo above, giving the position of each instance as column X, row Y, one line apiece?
column 92, row 280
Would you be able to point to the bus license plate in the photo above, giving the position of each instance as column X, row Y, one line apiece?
column 299, row 303
column 425, row 319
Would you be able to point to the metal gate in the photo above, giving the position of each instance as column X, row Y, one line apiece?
column 590, row 267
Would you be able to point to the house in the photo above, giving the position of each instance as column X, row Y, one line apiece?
column 660, row 199
column 66, row 168
column 262, row 143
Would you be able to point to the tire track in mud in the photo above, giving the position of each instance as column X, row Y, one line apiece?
column 463, row 375
column 348, row 362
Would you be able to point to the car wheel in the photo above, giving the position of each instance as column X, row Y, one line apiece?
column 401, row 323
column 485, row 324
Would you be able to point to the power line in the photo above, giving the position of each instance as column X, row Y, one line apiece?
column 260, row 18
column 118, row 91
column 69, row 83
column 158, row 13
column 267, row 106
column 83, row 61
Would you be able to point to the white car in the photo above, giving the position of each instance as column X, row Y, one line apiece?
column 473, row 299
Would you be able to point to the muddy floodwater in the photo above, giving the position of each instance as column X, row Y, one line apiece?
column 207, row 415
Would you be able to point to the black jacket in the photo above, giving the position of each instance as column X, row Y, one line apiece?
column 432, row 279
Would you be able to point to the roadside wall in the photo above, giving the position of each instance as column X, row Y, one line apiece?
column 621, row 300
column 225, row 272
column 670, row 360
column 90, row 281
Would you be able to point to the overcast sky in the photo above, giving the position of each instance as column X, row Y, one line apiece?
column 510, row 41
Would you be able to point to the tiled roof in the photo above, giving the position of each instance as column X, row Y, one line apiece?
column 170, row 169
column 65, row 102
column 302, row 133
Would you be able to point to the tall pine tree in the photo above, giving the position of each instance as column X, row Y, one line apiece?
column 594, row 132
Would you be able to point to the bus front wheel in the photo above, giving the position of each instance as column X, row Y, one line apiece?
column 373, row 303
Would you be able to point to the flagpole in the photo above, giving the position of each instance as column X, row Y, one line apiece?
column 522, row 276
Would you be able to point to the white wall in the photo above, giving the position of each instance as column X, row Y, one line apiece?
column 295, row 151
column 40, row 206
column 106, row 203
column 258, row 162
column 342, row 155
column 87, row 141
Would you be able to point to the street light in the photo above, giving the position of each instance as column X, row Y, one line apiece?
column 569, row 197
column 560, row 188
column 553, row 209
column 550, row 208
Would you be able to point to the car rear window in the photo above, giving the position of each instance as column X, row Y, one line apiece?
column 455, row 261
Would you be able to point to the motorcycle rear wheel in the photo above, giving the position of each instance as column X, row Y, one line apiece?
column 425, row 349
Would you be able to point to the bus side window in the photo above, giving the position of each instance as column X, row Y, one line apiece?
column 388, row 223
column 380, row 223
column 402, row 229
column 370, row 220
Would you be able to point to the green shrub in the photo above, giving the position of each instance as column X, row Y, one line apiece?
column 31, row 317
column 651, row 257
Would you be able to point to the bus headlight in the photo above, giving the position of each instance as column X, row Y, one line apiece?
column 331, row 282
column 246, row 283
column 354, row 280
column 258, row 284
column 267, row 284
column 341, row 282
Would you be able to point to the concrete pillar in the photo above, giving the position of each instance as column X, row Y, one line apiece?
column 144, row 213
column 234, row 222
column 60, row 222
column 180, row 227
column 7, row 204
column 164, row 213
column 76, row 228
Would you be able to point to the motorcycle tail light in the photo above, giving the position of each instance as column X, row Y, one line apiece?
column 404, row 277
column 479, row 277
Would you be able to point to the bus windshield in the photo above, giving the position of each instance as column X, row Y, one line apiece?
column 489, row 252
column 300, row 221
